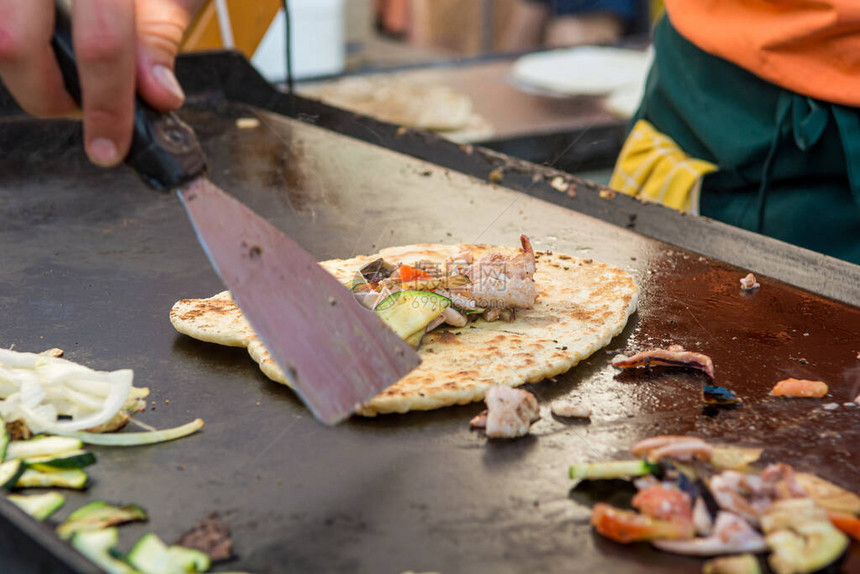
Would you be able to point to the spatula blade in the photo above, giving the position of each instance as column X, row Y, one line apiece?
column 337, row 354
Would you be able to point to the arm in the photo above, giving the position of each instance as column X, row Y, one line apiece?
column 122, row 47
column 526, row 26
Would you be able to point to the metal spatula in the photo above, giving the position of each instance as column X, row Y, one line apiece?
column 337, row 354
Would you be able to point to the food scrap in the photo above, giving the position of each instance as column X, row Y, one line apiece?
column 676, row 447
column 415, row 299
column 510, row 412
column 792, row 387
column 699, row 509
column 749, row 283
column 569, row 409
column 210, row 536
column 673, row 356
column 719, row 396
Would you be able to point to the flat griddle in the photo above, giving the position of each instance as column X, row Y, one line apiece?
column 92, row 262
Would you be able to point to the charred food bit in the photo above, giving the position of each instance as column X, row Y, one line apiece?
column 674, row 356
column 792, row 387
column 569, row 409
column 719, row 396
column 741, row 564
column 510, row 412
column 626, row 526
column 732, row 534
column 210, row 536
column 749, row 283
column 672, row 446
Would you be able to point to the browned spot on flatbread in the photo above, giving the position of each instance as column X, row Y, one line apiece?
column 444, row 337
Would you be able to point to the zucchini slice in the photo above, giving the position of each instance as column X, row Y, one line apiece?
column 408, row 312
column 4, row 439
column 63, row 461
column 99, row 546
column 39, row 506
column 98, row 515
column 42, row 446
column 73, row 478
column 612, row 469
column 10, row 473
column 152, row 556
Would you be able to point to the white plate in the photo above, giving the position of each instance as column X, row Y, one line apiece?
column 587, row 70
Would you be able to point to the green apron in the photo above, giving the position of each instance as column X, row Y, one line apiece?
column 789, row 165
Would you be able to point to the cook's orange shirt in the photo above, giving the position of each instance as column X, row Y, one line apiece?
column 811, row 47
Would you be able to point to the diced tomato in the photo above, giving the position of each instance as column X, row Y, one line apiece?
column 626, row 526
column 409, row 273
column 847, row 523
column 663, row 503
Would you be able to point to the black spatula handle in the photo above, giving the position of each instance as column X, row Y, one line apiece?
column 164, row 149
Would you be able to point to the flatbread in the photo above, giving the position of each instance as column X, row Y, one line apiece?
column 581, row 305
column 409, row 102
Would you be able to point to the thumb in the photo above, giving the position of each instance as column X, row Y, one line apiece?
column 161, row 25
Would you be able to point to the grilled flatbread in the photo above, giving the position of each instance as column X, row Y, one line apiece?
column 581, row 305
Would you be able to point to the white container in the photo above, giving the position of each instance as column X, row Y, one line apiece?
column 318, row 41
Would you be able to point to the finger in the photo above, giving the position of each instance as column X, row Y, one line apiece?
column 103, row 33
column 27, row 63
column 161, row 25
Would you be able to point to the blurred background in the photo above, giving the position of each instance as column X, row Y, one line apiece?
column 551, row 81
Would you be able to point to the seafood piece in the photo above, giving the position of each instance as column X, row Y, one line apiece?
column 510, row 411
column 792, row 387
column 732, row 534
column 503, row 282
column 454, row 317
column 569, row 409
column 479, row 421
column 740, row 564
column 751, row 495
column 626, row 526
column 674, row 447
column 749, row 283
column 663, row 502
column 674, row 356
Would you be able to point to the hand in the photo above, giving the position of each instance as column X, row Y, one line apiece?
column 122, row 47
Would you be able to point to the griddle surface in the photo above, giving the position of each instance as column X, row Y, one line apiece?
column 93, row 261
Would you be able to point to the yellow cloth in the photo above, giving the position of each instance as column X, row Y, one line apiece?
column 652, row 167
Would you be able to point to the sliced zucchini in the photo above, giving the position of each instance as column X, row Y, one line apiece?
column 98, row 515
column 409, row 312
column 63, row 461
column 42, row 446
column 152, row 556
column 73, row 478
column 10, row 473
column 4, row 439
column 415, row 339
column 39, row 506
column 612, row 469
column 99, row 546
